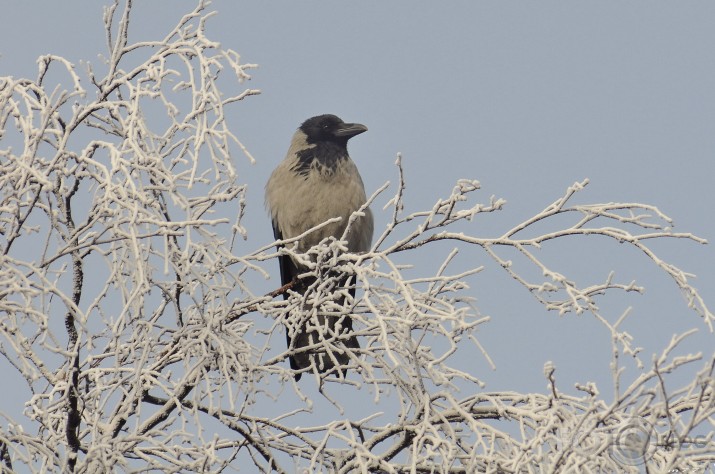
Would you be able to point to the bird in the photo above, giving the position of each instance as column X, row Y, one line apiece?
column 315, row 182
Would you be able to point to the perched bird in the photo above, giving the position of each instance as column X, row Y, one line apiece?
column 318, row 181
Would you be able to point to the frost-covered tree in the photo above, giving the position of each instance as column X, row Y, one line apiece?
column 132, row 314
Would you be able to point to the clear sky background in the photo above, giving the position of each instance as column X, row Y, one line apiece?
column 526, row 97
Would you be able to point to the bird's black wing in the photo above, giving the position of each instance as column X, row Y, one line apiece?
column 288, row 273
column 287, row 267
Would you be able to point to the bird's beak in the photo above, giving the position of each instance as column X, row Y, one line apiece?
column 350, row 130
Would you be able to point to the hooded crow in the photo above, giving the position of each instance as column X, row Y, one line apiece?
column 318, row 181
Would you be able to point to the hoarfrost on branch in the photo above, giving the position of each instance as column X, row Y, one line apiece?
column 128, row 300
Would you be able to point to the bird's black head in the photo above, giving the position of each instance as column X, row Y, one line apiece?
column 329, row 128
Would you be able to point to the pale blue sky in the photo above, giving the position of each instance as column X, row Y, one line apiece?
column 526, row 97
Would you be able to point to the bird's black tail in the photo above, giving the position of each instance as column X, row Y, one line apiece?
column 330, row 333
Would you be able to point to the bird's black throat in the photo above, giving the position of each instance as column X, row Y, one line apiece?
column 325, row 156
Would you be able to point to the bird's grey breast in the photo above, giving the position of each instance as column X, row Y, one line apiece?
column 320, row 192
